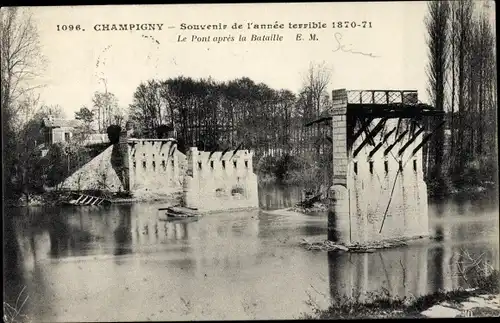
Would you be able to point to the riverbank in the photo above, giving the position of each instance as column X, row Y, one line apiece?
column 478, row 189
column 55, row 198
column 368, row 247
column 482, row 300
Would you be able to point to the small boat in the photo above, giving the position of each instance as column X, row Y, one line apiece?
column 179, row 212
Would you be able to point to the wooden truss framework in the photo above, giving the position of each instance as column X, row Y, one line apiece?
column 363, row 107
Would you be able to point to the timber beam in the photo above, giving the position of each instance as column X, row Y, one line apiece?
column 426, row 138
column 172, row 148
column 369, row 137
column 374, row 150
column 236, row 150
column 398, row 126
column 409, row 142
column 363, row 128
column 223, row 153
column 388, row 149
column 211, row 153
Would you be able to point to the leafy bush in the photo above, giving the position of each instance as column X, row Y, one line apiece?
column 285, row 165
column 308, row 171
column 163, row 131
column 280, row 168
column 476, row 172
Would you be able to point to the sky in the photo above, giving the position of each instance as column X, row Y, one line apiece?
column 77, row 60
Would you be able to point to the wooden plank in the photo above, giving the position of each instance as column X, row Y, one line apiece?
column 388, row 149
column 370, row 136
column 409, row 142
column 82, row 202
column 223, row 153
column 426, row 138
column 79, row 198
column 374, row 150
column 363, row 128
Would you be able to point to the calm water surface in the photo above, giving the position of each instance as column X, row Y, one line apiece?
column 122, row 263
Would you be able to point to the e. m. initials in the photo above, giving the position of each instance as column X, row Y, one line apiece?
column 312, row 37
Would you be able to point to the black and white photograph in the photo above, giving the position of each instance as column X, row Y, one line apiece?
column 257, row 161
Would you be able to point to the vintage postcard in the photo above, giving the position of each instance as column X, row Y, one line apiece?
column 250, row 161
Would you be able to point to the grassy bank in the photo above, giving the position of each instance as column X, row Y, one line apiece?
column 382, row 305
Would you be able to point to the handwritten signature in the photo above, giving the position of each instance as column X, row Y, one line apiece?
column 347, row 48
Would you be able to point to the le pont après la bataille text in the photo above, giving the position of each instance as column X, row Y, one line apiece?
column 267, row 31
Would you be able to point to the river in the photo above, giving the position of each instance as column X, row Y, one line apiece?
column 120, row 263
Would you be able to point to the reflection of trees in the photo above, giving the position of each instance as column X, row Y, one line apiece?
column 59, row 234
column 12, row 271
column 123, row 233
column 436, row 272
column 278, row 197
column 65, row 239
column 440, row 209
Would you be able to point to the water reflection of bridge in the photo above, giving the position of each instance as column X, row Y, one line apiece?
column 241, row 257
column 415, row 271
column 419, row 269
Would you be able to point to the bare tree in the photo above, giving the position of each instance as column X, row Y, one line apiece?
column 20, row 62
column 314, row 92
column 21, row 59
column 105, row 105
column 316, row 83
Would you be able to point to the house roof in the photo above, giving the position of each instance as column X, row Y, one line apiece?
column 58, row 123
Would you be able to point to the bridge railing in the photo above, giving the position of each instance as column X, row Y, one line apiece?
column 408, row 97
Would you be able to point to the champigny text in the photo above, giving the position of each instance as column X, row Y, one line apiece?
column 128, row 27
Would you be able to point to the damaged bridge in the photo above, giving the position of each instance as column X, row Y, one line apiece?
column 378, row 190
column 154, row 169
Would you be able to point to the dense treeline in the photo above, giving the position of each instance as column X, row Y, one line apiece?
column 218, row 115
column 242, row 114
column 462, row 82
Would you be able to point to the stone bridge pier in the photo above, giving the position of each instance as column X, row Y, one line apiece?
column 378, row 190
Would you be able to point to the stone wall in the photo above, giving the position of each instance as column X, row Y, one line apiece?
column 376, row 197
column 389, row 185
column 155, row 166
column 220, row 181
